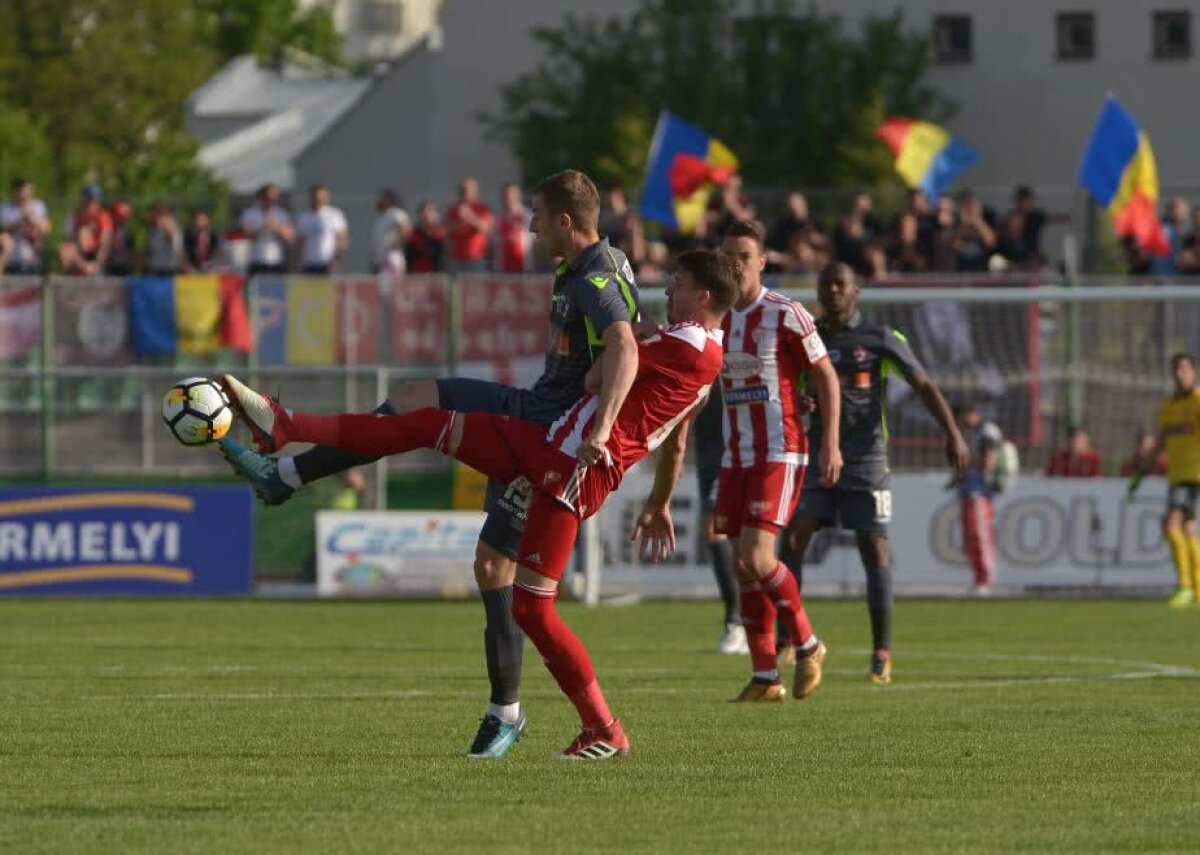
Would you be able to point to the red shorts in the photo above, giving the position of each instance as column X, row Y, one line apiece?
column 564, row 493
column 762, row 497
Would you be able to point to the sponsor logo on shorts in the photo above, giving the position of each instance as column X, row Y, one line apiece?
column 536, row 558
column 747, row 395
column 551, row 478
column 761, row 508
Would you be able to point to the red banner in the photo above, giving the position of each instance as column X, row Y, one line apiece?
column 420, row 317
column 504, row 317
column 20, row 319
column 357, row 322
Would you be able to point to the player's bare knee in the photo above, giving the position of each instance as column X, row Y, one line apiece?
column 493, row 569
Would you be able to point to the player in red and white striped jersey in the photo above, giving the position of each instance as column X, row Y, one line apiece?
column 571, row 476
column 769, row 341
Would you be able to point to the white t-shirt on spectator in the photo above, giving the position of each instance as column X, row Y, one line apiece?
column 320, row 229
column 267, row 247
column 24, row 252
column 385, row 248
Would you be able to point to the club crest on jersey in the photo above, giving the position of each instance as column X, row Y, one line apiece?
column 739, row 366
column 860, row 354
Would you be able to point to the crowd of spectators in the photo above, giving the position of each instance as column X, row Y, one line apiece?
column 954, row 234
column 1078, row 459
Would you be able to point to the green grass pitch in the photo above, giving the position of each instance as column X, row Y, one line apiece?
column 291, row 727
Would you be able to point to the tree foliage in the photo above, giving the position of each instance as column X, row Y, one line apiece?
column 267, row 28
column 792, row 92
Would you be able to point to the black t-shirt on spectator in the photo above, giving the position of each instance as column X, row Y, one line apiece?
column 1035, row 221
column 852, row 250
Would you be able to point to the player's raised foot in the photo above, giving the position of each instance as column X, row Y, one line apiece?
column 260, row 471
column 786, row 657
column 733, row 640
column 496, row 737
column 603, row 744
column 762, row 692
column 881, row 668
column 808, row 671
column 1181, row 598
column 268, row 421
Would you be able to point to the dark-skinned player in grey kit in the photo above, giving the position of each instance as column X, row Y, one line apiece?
column 865, row 356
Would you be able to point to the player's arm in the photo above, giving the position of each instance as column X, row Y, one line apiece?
column 829, row 397
column 604, row 304
column 655, row 527
column 618, row 368
column 957, row 453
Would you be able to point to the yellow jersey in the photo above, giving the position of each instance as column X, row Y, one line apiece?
column 1179, row 426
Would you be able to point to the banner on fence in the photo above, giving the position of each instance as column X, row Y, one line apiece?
column 91, row 322
column 126, row 541
column 20, row 320
column 396, row 553
column 1050, row 533
column 420, row 320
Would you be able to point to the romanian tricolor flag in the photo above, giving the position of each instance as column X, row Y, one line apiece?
column 188, row 314
column 1119, row 170
column 927, row 157
column 684, row 165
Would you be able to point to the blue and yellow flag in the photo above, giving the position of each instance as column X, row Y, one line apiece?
column 1120, row 172
column 684, row 166
column 927, row 157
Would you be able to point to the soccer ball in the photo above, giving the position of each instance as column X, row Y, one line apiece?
column 197, row 411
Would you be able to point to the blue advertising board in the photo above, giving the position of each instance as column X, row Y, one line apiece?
column 126, row 541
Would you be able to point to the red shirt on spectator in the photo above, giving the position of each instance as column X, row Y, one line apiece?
column 513, row 240
column 87, row 227
column 468, row 243
column 1065, row 464
column 423, row 251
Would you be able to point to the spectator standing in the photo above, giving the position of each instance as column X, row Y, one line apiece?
column 122, row 255
column 1035, row 219
column 514, row 241
column 425, row 249
column 268, row 227
column 1146, row 458
column 469, row 223
column 24, row 225
column 1077, row 460
column 88, row 233
column 1013, row 250
column 974, row 239
column 1189, row 249
column 1175, row 227
column 322, row 234
column 613, row 218
column 389, row 235
column 854, row 243
column 201, row 243
column 164, row 243
column 795, row 243
column 905, row 255
column 975, row 488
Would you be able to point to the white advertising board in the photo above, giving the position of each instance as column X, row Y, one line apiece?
column 396, row 553
column 1050, row 533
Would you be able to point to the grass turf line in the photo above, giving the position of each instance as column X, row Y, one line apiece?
column 249, row 726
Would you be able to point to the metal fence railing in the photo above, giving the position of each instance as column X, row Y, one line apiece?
column 79, row 394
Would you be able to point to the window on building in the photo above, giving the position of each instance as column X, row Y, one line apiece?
column 952, row 39
column 1076, row 35
column 1172, row 35
column 383, row 17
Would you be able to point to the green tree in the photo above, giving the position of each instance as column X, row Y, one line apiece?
column 107, row 81
column 794, row 94
column 267, row 28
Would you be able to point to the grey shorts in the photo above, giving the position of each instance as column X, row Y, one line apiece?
column 1183, row 496
column 506, row 504
column 863, row 509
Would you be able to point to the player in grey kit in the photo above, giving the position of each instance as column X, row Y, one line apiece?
column 708, row 435
column 865, row 356
column 593, row 307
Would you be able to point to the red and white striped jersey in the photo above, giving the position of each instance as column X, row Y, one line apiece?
column 676, row 368
column 767, row 345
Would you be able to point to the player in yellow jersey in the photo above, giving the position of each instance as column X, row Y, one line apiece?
column 1179, row 436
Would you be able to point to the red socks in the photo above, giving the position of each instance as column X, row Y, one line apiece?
column 563, row 652
column 373, row 434
column 781, row 587
column 758, row 616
